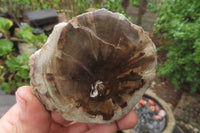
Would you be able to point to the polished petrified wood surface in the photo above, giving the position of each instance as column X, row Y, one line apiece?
column 93, row 68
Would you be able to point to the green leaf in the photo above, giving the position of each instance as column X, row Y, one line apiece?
column 23, row 74
column 5, row 47
column 26, row 33
column 179, row 23
column 18, row 63
column 5, row 24
column 5, row 86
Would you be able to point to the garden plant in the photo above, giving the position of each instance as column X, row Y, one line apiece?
column 179, row 24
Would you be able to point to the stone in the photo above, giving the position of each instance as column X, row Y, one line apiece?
column 158, row 118
column 142, row 102
column 94, row 68
column 43, row 17
column 6, row 102
column 162, row 113
column 157, row 108
column 1, row 35
column 151, row 102
column 186, row 109
column 196, row 130
column 152, row 108
column 137, row 106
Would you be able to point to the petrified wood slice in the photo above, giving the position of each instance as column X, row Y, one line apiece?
column 94, row 68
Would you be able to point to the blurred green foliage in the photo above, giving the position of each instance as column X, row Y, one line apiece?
column 17, row 71
column 134, row 2
column 72, row 8
column 14, row 72
column 82, row 5
column 14, row 69
column 5, row 47
column 154, row 7
column 115, row 6
column 26, row 33
column 17, row 7
column 5, row 24
column 179, row 21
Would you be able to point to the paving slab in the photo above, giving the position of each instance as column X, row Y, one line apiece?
column 43, row 17
column 6, row 101
column 1, row 92
column 188, row 109
column 148, row 18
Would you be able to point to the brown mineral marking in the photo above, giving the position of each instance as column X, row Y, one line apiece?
column 141, row 54
column 142, row 82
column 132, row 76
column 106, row 116
column 107, row 91
column 33, row 66
column 135, row 59
column 50, row 77
column 126, row 88
column 143, row 61
column 54, row 109
column 67, row 28
column 47, row 95
column 123, row 105
column 134, row 49
column 78, row 104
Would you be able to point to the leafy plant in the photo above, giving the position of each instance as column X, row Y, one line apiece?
column 3, row 7
column 80, row 6
column 154, row 7
column 5, row 47
column 17, row 73
column 177, row 121
column 3, row 71
column 26, row 33
column 179, row 21
column 135, row 2
column 16, row 8
column 5, row 25
column 115, row 6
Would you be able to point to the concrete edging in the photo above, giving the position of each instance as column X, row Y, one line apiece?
column 169, row 114
column 170, row 117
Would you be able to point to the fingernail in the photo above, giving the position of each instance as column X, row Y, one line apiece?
column 20, row 100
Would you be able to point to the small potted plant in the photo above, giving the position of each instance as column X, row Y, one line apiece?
column 30, row 42
column 154, row 115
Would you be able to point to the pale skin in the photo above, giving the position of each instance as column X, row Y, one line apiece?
column 29, row 115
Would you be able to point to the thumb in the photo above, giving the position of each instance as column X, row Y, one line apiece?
column 33, row 118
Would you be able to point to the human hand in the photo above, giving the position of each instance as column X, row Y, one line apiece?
column 30, row 116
